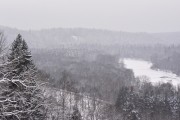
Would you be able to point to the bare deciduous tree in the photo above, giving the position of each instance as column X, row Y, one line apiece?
column 2, row 43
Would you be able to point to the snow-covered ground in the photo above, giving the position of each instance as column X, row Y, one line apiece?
column 143, row 68
column 88, row 107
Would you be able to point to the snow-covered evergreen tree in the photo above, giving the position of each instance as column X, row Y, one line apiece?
column 19, row 58
column 20, row 96
column 20, row 101
column 76, row 114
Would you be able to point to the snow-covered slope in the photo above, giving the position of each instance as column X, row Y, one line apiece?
column 63, row 102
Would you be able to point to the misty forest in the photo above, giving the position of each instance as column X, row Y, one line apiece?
column 89, row 74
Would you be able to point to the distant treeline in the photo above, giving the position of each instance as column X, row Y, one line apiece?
column 163, row 57
column 55, row 38
column 168, row 61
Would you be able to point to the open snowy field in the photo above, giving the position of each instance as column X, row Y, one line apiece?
column 143, row 68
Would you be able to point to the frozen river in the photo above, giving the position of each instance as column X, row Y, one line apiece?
column 143, row 68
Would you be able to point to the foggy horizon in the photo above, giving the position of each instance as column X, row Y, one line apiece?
column 124, row 15
column 90, row 28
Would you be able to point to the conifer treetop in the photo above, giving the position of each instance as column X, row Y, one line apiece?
column 20, row 56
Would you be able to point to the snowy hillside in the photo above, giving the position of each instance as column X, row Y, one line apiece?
column 57, row 37
column 64, row 102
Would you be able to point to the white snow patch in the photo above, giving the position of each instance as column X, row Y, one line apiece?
column 143, row 68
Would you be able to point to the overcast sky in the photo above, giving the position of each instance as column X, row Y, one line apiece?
column 123, row 15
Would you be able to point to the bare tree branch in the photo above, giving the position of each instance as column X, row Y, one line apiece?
column 2, row 42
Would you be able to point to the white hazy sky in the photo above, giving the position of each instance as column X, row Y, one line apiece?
column 124, row 15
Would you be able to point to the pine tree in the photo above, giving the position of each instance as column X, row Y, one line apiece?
column 127, row 104
column 20, row 101
column 76, row 114
column 20, row 96
column 19, row 57
column 122, row 98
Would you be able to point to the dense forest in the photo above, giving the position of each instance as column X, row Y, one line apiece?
column 85, row 82
column 60, row 37
column 169, row 61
